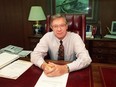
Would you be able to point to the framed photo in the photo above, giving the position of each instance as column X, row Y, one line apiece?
column 87, row 7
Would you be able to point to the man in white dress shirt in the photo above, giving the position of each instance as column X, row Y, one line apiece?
column 74, row 47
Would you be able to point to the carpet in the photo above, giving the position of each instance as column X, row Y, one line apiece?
column 108, row 76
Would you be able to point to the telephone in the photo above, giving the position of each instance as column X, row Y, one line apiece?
column 12, row 49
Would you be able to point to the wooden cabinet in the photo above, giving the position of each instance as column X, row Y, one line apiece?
column 102, row 50
column 33, row 40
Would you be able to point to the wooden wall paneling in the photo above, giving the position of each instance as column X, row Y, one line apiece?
column 11, row 31
column 107, row 13
column 15, row 27
column 27, row 26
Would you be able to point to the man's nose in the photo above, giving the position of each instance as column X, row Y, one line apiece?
column 59, row 28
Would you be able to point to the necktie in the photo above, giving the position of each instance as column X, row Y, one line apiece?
column 61, row 51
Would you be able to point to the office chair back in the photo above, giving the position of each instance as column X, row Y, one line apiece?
column 76, row 23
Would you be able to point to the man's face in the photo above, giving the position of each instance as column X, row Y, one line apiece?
column 59, row 27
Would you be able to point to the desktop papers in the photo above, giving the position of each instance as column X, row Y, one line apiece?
column 6, row 58
column 15, row 69
column 45, row 81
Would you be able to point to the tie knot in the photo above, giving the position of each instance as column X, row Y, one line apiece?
column 60, row 41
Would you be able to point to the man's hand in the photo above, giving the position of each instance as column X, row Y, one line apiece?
column 51, row 69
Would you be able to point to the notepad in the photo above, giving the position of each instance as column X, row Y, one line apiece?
column 15, row 69
column 59, row 81
column 6, row 58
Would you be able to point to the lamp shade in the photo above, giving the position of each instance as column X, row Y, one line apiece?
column 36, row 14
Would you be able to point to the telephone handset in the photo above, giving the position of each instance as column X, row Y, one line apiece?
column 12, row 49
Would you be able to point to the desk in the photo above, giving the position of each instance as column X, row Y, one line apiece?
column 75, row 79
column 102, row 50
column 96, row 76
column 30, row 77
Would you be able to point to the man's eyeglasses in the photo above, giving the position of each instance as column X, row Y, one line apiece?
column 59, row 26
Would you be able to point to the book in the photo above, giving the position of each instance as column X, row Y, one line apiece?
column 6, row 58
column 15, row 69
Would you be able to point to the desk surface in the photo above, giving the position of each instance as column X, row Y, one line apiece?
column 30, row 77
column 81, row 78
column 96, row 76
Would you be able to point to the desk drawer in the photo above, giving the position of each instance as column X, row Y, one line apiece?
column 100, row 58
column 104, row 51
column 108, row 44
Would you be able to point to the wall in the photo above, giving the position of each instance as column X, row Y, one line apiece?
column 15, row 27
column 107, row 13
column 11, row 25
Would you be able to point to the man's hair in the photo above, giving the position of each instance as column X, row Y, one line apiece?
column 53, row 17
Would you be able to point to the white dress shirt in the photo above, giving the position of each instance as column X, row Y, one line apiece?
column 74, row 48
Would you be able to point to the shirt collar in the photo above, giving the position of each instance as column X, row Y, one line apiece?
column 67, row 35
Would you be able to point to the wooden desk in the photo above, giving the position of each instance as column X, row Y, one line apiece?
column 75, row 79
column 30, row 77
column 102, row 50
column 96, row 73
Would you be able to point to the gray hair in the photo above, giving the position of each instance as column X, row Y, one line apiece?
column 53, row 17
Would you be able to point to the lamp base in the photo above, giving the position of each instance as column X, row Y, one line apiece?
column 37, row 30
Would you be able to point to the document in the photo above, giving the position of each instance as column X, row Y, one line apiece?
column 15, row 69
column 6, row 58
column 59, row 81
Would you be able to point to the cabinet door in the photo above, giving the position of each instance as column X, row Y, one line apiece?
column 33, row 40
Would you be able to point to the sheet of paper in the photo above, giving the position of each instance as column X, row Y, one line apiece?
column 6, row 58
column 15, row 69
column 45, row 81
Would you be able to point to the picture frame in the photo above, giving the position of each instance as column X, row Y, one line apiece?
column 91, row 14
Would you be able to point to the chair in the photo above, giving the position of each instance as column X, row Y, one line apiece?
column 76, row 23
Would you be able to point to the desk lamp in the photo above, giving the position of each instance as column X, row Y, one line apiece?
column 36, row 14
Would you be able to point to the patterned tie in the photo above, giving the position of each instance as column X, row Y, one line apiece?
column 61, row 51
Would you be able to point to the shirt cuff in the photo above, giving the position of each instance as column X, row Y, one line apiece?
column 40, row 62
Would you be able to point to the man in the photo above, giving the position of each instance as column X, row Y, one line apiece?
column 74, row 49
